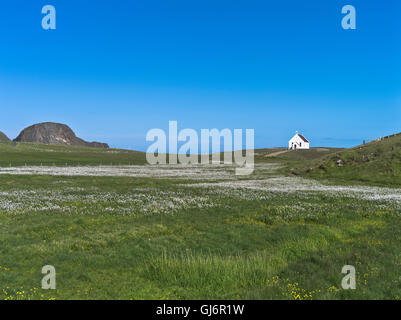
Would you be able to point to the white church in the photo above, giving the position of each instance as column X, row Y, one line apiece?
column 298, row 142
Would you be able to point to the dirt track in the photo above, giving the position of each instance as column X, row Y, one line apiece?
column 274, row 154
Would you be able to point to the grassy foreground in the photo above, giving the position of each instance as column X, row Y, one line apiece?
column 205, row 236
column 155, row 238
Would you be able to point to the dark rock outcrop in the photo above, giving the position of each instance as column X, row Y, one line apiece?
column 3, row 137
column 95, row 144
column 54, row 133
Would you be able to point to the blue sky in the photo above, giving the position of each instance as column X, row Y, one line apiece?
column 113, row 70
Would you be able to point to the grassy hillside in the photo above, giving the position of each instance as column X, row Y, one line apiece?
column 295, row 156
column 311, row 154
column 378, row 162
column 18, row 154
column 293, row 161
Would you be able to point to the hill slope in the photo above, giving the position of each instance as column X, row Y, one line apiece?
column 3, row 137
column 378, row 162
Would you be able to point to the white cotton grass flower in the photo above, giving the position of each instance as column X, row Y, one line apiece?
column 295, row 184
column 198, row 172
column 147, row 201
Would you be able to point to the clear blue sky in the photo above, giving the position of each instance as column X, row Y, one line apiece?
column 112, row 70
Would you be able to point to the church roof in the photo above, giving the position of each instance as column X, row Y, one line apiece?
column 303, row 138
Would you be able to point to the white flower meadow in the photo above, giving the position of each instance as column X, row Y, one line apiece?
column 198, row 172
column 207, row 187
column 296, row 184
column 70, row 200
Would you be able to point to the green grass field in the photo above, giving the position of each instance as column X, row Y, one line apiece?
column 20, row 154
column 164, row 233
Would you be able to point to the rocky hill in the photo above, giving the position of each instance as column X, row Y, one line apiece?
column 54, row 133
column 3, row 137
